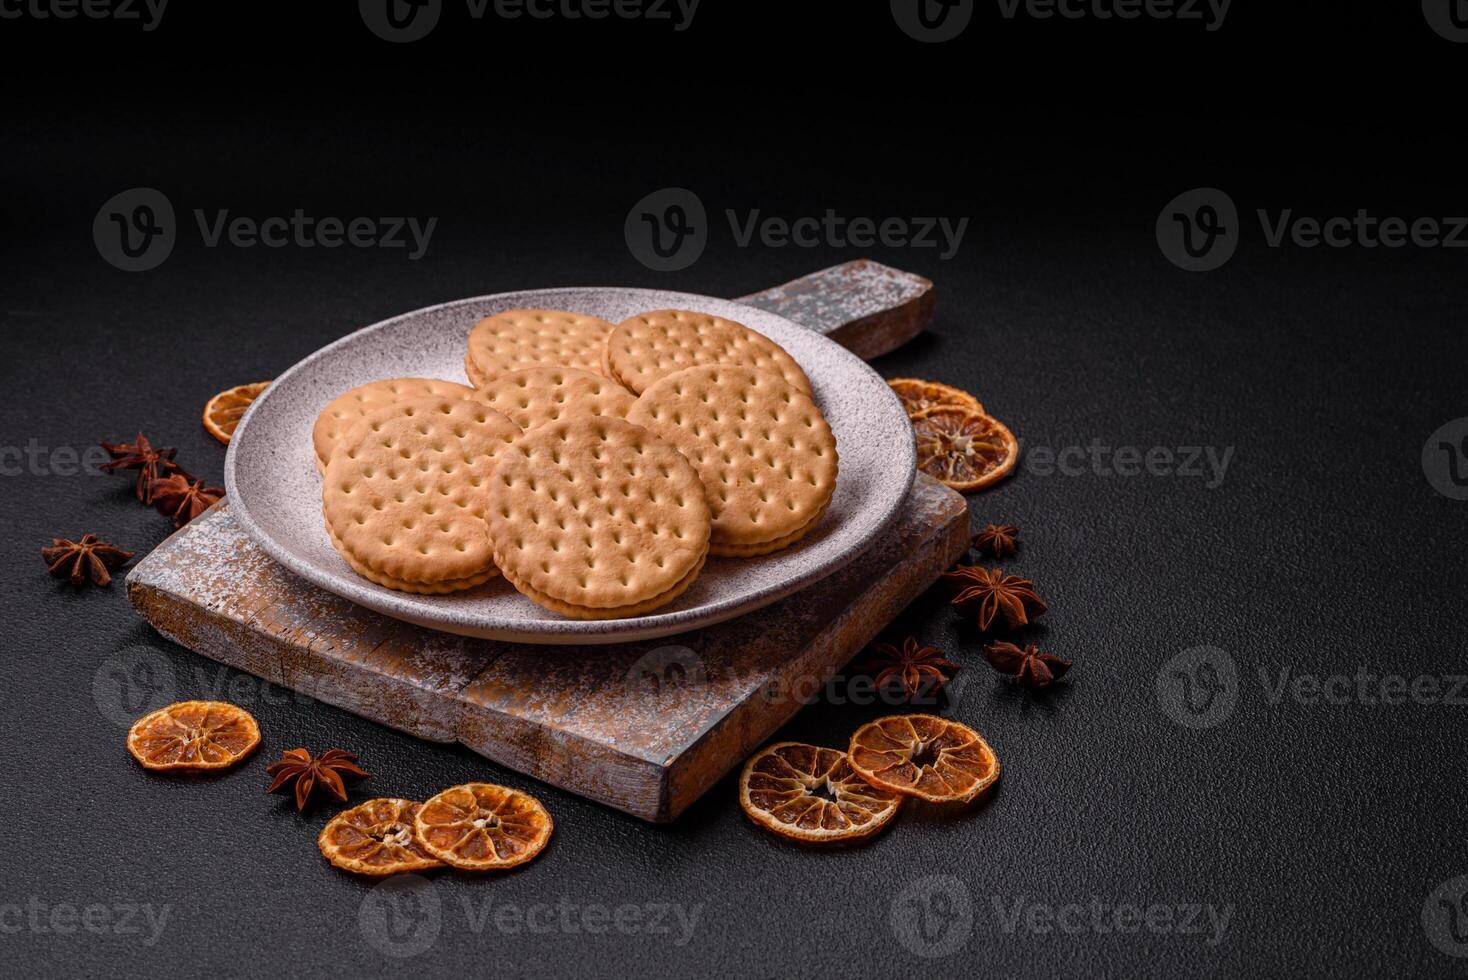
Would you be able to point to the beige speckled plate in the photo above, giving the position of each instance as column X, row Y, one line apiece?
column 275, row 491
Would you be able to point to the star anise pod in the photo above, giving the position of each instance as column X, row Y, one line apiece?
column 86, row 559
column 989, row 594
column 915, row 666
column 183, row 498
column 151, row 463
column 1029, row 666
column 999, row 540
column 324, row 771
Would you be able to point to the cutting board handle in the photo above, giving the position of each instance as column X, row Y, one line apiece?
column 864, row 306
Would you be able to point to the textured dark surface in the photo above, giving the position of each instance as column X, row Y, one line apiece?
column 1322, row 827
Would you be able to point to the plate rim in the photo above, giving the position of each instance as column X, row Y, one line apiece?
column 575, row 631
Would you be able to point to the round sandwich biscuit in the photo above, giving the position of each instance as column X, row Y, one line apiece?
column 596, row 518
column 517, row 339
column 349, row 408
column 653, row 345
column 539, row 395
column 403, row 494
column 765, row 454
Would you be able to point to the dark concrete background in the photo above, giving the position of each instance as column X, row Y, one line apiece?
column 1321, row 830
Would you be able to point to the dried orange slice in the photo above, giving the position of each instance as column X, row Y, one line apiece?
column 376, row 838
column 925, row 756
column 918, row 395
column 224, row 411
column 482, row 827
column 806, row 793
column 193, row 735
column 965, row 449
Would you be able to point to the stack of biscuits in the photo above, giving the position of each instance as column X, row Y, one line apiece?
column 596, row 466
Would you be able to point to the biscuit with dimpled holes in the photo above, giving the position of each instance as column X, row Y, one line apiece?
column 653, row 345
column 596, row 518
column 517, row 339
column 535, row 396
column 765, row 454
column 403, row 495
column 345, row 410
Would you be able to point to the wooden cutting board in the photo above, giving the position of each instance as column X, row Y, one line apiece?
column 644, row 727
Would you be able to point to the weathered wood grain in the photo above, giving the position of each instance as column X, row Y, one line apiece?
column 864, row 306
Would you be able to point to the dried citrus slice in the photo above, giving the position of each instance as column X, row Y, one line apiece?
column 224, row 411
column 482, row 827
column 925, row 756
column 811, row 794
column 193, row 735
column 376, row 838
column 965, row 449
column 918, row 395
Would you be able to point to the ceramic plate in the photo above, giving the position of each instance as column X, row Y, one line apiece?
column 275, row 491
